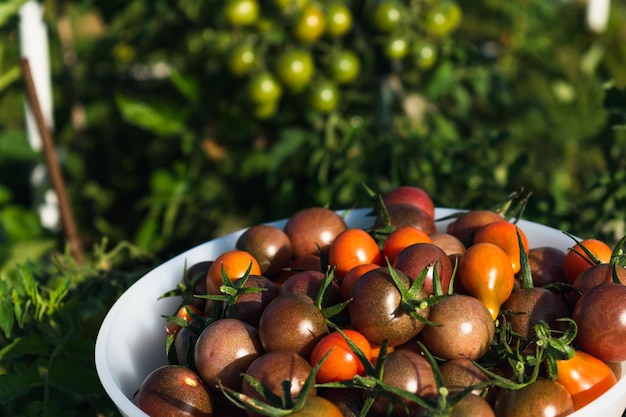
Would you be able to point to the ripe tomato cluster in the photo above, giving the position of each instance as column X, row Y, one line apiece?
column 308, row 51
column 396, row 319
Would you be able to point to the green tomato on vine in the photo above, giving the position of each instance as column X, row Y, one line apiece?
column 242, row 12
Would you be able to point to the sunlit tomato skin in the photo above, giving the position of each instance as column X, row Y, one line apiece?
column 263, row 87
column 576, row 260
column 234, row 263
column 242, row 12
column 242, row 59
column 442, row 18
column 396, row 48
column 485, row 272
column 600, row 314
column 344, row 67
column 310, row 25
column 351, row 248
column 400, row 239
column 339, row 20
column 295, row 69
column 342, row 363
column 541, row 398
column 425, row 55
column 504, row 234
column 387, row 15
column 585, row 377
column 324, row 96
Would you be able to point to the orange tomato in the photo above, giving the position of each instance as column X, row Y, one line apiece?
column 342, row 363
column 485, row 272
column 185, row 312
column 504, row 234
column 577, row 261
column 353, row 276
column 353, row 247
column 585, row 377
column 401, row 238
column 235, row 263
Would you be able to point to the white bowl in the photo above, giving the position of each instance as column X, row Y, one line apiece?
column 131, row 340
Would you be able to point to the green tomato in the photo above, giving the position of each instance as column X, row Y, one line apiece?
column 242, row 12
column 387, row 15
column 442, row 18
column 344, row 66
column 324, row 96
column 396, row 48
column 425, row 55
column 339, row 20
column 289, row 6
column 242, row 59
column 263, row 87
column 265, row 110
column 295, row 69
column 310, row 25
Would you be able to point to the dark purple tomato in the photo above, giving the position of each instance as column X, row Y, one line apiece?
column 413, row 259
column 376, row 308
column 543, row 398
column 461, row 373
column 404, row 214
column 269, row 245
column 197, row 273
column 248, row 307
column 465, row 226
column 599, row 274
column 409, row 371
column 451, row 245
column 546, row 265
column 224, row 350
column 410, row 194
column 273, row 368
column 184, row 344
column 525, row 307
column 601, row 318
column 172, row 391
column 312, row 227
column 466, row 328
column 472, row 405
column 310, row 283
column 292, row 322
column 299, row 264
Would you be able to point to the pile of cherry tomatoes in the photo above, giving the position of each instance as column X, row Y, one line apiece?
column 306, row 51
column 317, row 318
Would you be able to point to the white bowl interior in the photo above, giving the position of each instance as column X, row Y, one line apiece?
column 131, row 340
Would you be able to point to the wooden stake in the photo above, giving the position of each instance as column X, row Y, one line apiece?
column 53, row 167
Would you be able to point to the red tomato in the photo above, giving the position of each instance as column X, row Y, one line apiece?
column 353, row 276
column 485, row 272
column 504, row 234
column 342, row 363
column 401, row 238
column 577, row 261
column 235, row 263
column 585, row 377
column 353, row 247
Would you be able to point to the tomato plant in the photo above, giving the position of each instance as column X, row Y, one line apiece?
column 242, row 59
column 342, row 363
column 387, row 15
column 344, row 66
column 310, row 25
column 242, row 12
column 324, row 96
column 295, row 69
column 339, row 20
column 263, row 88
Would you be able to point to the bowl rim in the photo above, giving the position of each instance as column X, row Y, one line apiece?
column 125, row 404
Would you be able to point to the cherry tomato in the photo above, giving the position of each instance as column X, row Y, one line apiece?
column 425, row 55
column 344, row 67
column 351, row 248
column 242, row 12
column 263, row 87
column 324, row 96
column 265, row 110
column 387, row 15
column 187, row 313
column 396, row 47
column 577, row 261
column 442, row 18
column 310, row 25
column 543, row 397
column 585, row 377
column 235, row 264
column 339, row 20
column 352, row 276
column 402, row 238
column 295, row 69
column 342, row 363
column 485, row 272
column 316, row 406
column 242, row 59
column 504, row 234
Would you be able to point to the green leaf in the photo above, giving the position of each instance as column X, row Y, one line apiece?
column 32, row 344
column 8, row 9
column 6, row 317
column 82, row 380
column 163, row 120
column 187, row 86
column 19, row 382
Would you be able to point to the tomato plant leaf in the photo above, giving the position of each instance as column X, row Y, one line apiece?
column 18, row 382
column 31, row 344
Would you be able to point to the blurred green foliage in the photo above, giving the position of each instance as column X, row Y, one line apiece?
column 162, row 146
